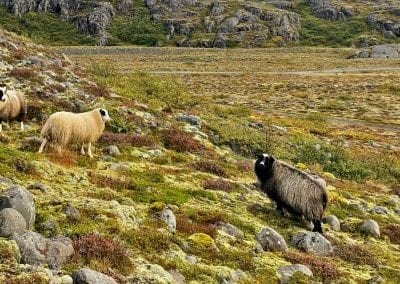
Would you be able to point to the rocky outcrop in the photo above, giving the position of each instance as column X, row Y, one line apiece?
column 90, row 18
column 386, row 21
column 325, row 9
column 378, row 51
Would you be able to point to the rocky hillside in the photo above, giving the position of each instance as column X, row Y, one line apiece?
column 199, row 23
column 169, row 196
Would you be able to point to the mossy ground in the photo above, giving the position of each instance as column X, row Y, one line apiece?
column 118, row 197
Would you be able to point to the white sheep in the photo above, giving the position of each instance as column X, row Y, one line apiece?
column 12, row 107
column 65, row 128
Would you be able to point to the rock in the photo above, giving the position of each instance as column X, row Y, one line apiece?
column 59, row 251
column 334, row 222
column 112, row 150
column 388, row 26
column 230, row 229
column 125, row 6
column 325, row 9
column 385, row 51
column 177, row 276
column 38, row 186
column 271, row 240
column 169, row 218
column 379, row 210
column 11, row 221
column 376, row 280
column 37, row 250
column 65, row 279
column 191, row 259
column 18, row 198
column 288, row 271
column 88, row 276
column 150, row 273
column 370, row 227
column 312, row 242
column 191, row 119
column 72, row 212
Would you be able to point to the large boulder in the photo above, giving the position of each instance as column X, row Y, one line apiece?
column 312, row 242
column 11, row 221
column 325, row 9
column 88, row 276
column 20, row 199
column 271, row 240
column 38, row 250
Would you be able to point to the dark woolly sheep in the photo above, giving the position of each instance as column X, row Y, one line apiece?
column 292, row 189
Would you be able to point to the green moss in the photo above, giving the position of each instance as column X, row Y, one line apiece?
column 202, row 240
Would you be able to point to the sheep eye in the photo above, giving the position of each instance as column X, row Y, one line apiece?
column 102, row 112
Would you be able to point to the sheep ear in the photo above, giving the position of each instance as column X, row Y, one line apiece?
column 258, row 156
column 271, row 159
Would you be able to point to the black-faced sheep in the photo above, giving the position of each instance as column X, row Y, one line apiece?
column 66, row 128
column 292, row 189
column 12, row 106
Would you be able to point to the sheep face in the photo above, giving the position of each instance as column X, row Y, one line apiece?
column 3, row 94
column 104, row 115
column 264, row 167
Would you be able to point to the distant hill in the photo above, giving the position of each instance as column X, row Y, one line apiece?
column 201, row 23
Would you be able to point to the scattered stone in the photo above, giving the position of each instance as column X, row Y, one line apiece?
column 38, row 186
column 178, row 277
column 370, row 227
column 271, row 240
column 11, row 221
column 88, row 276
column 169, row 218
column 230, row 229
column 334, row 222
column 288, row 271
column 18, row 198
column 112, row 150
column 385, row 51
column 65, row 279
column 380, row 210
column 325, row 9
column 191, row 119
column 191, row 259
column 71, row 212
column 59, row 250
column 376, row 280
column 313, row 242
column 150, row 273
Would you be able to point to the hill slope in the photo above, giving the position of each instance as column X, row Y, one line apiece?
column 114, row 207
column 201, row 23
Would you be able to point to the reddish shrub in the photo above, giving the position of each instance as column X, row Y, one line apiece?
column 245, row 166
column 188, row 226
column 105, row 250
column 181, row 141
column 97, row 90
column 210, row 167
column 219, row 184
column 23, row 73
column 55, row 88
column 66, row 158
column 135, row 140
column 356, row 254
column 107, row 181
column 396, row 190
column 24, row 166
column 18, row 54
column 321, row 268
column 393, row 232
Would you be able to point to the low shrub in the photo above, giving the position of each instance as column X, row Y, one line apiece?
column 393, row 232
column 356, row 254
column 134, row 140
column 188, row 226
column 24, row 166
column 210, row 167
column 23, row 73
column 181, row 141
column 219, row 184
column 107, row 181
column 97, row 90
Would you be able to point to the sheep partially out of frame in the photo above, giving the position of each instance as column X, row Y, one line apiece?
column 12, row 107
column 292, row 189
column 66, row 128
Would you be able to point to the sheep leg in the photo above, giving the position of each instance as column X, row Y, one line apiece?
column 42, row 145
column 317, row 226
column 279, row 208
column 90, row 150
column 1, row 126
column 22, row 126
column 83, row 149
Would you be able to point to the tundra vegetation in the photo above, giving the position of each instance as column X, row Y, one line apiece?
column 343, row 125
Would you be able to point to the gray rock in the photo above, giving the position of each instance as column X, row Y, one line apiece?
column 371, row 228
column 325, row 9
column 88, row 276
column 334, row 222
column 271, row 240
column 18, row 198
column 112, row 150
column 11, row 221
column 72, row 212
column 191, row 259
column 38, row 186
column 288, row 271
column 32, row 247
column 230, row 229
column 59, row 251
column 385, row 51
column 31, row 143
column 380, row 210
column 169, row 218
column 191, row 119
column 376, row 280
column 125, row 6
column 178, row 277
column 312, row 242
